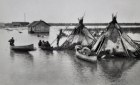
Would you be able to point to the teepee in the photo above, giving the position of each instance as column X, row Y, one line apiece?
column 79, row 35
column 114, row 42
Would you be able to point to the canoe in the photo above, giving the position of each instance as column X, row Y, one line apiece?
column 86, row 57
column 46, row 48
column 138, row 43
column 23, row 48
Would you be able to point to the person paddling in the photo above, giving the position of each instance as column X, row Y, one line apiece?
column 12, row 41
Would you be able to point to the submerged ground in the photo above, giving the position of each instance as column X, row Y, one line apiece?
column 60, row 67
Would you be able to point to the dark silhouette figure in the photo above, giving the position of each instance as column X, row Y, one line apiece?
column 58, row 39
column 43, row 43
column 47, row 44
column 40, row 43
column 60, row 32
column 12, row 41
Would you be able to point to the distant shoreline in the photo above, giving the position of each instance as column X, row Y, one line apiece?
column 93, row 24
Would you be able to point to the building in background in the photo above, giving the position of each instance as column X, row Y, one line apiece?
column 2, row 25
column 20, row 24
column 38, row 26
column 16, row 24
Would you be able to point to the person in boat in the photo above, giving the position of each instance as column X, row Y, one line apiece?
column 47, row 44
column 43, row 43
column 12, row 41
column 40, row 43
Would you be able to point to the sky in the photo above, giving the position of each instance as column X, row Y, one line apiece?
column 68, row 11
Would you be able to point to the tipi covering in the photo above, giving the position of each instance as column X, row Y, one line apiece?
column 115, row 42
column 80, row 35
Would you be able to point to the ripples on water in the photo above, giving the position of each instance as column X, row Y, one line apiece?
column 60, row 67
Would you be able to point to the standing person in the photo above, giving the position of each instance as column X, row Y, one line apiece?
column 60, row 32
column 12, row 41
column 58, row 39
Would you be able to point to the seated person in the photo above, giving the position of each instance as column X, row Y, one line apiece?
column 40, row 43
column 47, row 44
column 43, row 43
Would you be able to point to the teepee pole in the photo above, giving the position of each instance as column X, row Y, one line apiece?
column 91, row 35
column 56, row 38
column 120, row 33
column 136, row 48
column 101, row 45
column 124, row 47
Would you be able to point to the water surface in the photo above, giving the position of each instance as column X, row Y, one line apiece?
column 60, row 67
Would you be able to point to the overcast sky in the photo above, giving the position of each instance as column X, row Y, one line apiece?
column 59, row 11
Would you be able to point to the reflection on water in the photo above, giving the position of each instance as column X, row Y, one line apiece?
column 114, row 69
column 25, row 58
column 46, row 52
column 43, row 35
column 60, row 67
column 26, row 55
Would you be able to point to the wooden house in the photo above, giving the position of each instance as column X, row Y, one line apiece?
column 38, row 26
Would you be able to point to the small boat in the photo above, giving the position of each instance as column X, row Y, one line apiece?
column 46, row 48
column 23, row 48
column 85, row 57
column 137, row 42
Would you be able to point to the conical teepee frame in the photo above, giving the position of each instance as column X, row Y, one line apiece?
column 125, row 41
column 81, row 33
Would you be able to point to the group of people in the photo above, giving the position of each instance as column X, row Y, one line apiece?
column 43, row 43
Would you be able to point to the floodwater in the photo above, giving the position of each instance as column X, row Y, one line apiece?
column 60, row 67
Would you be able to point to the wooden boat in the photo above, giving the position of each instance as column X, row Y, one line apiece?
column 46, row 48
column 23, row 48
column 86, row 57
column 137, row 42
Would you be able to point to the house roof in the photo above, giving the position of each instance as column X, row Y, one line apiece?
column 34, row 23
